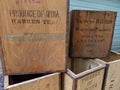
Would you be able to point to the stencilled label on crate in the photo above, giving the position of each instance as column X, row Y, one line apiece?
column 33, row 16
column 93, row 30
column 92, row 81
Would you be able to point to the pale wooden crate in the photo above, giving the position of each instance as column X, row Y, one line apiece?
column 91, row 33
column 112, row 74
column 34, row 82
column 84, row 74
column 33, row 36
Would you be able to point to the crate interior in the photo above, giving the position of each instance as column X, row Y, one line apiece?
column 81, row 65
column 112, row 57
column 14, row 79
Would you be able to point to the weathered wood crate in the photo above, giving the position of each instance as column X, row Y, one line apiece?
column 91, row 33
column 112, row 74
column 33, row 36
column 0, row 19
column 33, row 82
column 84, row 74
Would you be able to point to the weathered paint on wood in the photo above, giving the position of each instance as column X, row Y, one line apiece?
column 84, row 74
column 104, row 5
column 112, row 76
column 49, row 82
column 34, row 36
column 91, row 33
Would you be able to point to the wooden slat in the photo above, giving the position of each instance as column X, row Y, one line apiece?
column 0, row 19
column 34, row 36
column 113, row 76
column 6, row 81
column 50, row 82
column 0, row 41
column 68, row 82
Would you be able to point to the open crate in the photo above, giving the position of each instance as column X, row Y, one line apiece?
column 84, row 74
column 33, row 82
column 112, row 74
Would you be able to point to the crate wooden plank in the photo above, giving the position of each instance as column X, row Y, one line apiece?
column 89, row 77
column 112, row 76
column 49, row 82
column 68, row 81
column 0, row 19
column 34, row 36
column 6, row 81
column 91, row 82
column 91, row 33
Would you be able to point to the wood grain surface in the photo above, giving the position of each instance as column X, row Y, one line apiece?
column 68, row 82
column 49, row 82
column 0, row 18
column 34, row 36
column 85, row 74
column 93, row 81
column 112, row 76
column 91, row 33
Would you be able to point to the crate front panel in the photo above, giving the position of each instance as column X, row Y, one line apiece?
column 51, row 82
column 91, row 33
column 92, row 81
column 113, row 76
column 33, row 35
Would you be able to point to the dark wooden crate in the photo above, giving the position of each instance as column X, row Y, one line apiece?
column 91, row 33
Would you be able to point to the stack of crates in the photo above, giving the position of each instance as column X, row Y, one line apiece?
column 34, row 47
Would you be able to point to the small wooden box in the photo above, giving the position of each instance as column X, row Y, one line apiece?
column 84, row 75
column 112, row 74
column 33, row 36
column 91, row 33
column 33, row 82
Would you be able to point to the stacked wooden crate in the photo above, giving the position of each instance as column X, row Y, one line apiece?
column 33, row 41
column 90, row 38
column 34, row 44
column 84, row 74
column 112, row 74
column 33, row 36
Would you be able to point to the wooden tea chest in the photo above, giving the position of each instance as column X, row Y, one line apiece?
column 84, row 74
column 91, row 33
column 33, row 82
column 33, row 36
column 112, row 74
